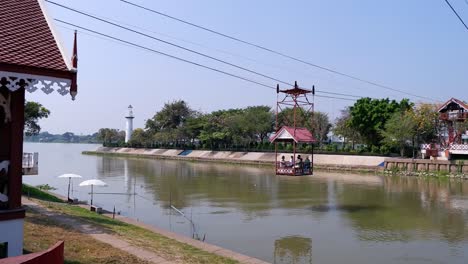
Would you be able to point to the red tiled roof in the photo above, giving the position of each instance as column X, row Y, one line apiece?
column 299, row 134
column 25, row 36
column 459, row 102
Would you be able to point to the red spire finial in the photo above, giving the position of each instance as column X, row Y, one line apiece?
column 74, row 85
column 75, row 54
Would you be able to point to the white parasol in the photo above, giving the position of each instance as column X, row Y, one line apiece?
column 92, row 183
column 69, row 176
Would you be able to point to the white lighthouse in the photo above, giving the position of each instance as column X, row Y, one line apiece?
column 129, row 128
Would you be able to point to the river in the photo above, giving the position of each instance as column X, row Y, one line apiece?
column 325, row 218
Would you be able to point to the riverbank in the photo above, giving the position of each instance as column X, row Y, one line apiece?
column 125, row 236
column 321, row 161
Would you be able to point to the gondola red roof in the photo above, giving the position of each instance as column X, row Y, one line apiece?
column 288, row 134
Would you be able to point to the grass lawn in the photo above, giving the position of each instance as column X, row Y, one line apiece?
column 164, row 247
column 40, row 233
column 167, row 248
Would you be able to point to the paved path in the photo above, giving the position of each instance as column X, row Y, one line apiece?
column 97, row 233
column 101, row 235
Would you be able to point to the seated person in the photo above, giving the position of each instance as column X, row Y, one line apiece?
column 282, row 162
column 291, row 161
column 299, row 162
column 307, row 163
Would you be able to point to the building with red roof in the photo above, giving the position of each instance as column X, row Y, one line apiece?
column 453, row 143
column 32, row 60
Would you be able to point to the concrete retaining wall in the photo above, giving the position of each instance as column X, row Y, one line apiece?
column 320, row 160
column 449, row 166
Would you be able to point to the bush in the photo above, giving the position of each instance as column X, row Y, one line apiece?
column 385, row 150
column 375, row 149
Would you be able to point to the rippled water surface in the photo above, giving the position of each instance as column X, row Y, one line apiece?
column 326, row 218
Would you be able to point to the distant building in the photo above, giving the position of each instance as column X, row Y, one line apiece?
column 453, row 142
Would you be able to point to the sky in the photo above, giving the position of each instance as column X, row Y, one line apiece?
column 417, row 46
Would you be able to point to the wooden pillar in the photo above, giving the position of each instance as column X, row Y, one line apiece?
column 16, row 149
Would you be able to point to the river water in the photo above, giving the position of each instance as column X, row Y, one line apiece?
column 325, row 218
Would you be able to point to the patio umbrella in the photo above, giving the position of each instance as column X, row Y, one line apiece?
column 69, row 176
column 92, row 183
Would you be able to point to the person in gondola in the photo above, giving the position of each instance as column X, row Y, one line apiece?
column 291, row 161
column 307, row 164
column 299, row 161
column 283, row 162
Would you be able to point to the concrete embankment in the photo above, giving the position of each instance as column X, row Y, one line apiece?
column 426, row 165
column 321, row 161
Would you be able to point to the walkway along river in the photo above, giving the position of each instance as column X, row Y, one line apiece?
column 326, row 218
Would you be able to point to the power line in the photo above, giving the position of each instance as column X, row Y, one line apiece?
column 181, row 59
column 184, row 48
column 273, row 51
column 165, row 54
column 454, row 11
column 168, row 43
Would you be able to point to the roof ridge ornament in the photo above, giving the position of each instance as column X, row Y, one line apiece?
column 74, row 85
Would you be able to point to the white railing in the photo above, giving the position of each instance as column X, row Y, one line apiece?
column 430, row 146
column 459, row 147
column 30, row 163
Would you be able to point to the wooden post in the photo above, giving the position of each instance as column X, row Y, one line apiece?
column 16, row 149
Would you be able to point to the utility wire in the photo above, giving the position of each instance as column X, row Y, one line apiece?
column 273, row 51
column 454, row 11
column 184, row 48
column 181, row 59
column 167, row 42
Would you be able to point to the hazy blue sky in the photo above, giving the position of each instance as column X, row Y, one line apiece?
column 414, row 45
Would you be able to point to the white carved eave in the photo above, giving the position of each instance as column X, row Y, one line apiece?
column 36, row 82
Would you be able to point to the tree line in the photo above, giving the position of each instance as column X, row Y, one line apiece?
column 178, row 125
column 376, row 126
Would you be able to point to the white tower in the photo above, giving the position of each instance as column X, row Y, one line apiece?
column 129, row 128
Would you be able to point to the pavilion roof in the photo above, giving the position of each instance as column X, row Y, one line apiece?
column 29, row 46
column 289, row 134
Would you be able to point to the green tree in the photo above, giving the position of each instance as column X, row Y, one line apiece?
column 399, row 131
column 171, row 116
column 320, row 126
column 68, row 137
column 427, row 125
column 139, row 138
column 220, row 127
column 110, row 135
column 344, row 129
column 258, row 121
column 33, row 112
column 369, row 116
column 167, row 125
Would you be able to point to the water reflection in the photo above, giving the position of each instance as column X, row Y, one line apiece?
column 409, row 209
column 293, row 250
column 251, row 189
